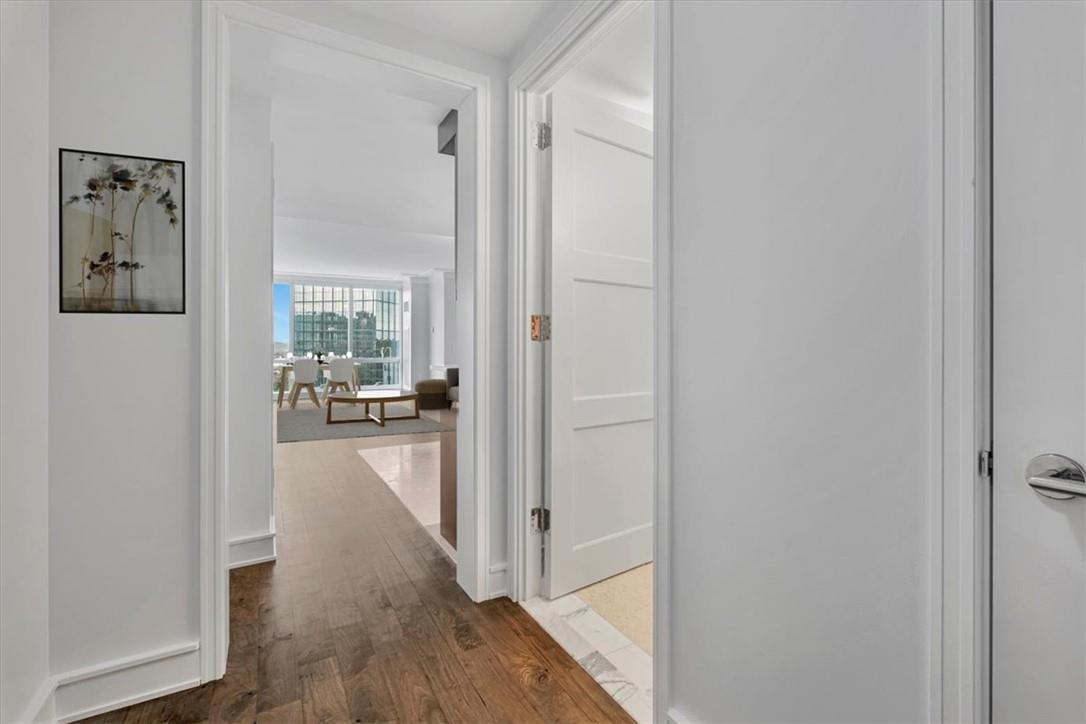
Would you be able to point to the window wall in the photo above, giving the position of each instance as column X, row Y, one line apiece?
column 361, row 321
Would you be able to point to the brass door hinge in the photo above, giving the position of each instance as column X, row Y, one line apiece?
column 540, row 327
column 541, row 520
column 541, row 135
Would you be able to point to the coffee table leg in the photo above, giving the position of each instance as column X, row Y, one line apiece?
column 381, row 422
column 328, row 415
column 416, row 401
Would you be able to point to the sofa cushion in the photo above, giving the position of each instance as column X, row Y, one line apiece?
column 436, row 386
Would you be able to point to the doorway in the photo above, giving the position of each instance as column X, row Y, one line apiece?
column 467, row 93
column 587, row 575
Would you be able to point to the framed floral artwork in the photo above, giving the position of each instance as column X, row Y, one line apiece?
column 122, row 233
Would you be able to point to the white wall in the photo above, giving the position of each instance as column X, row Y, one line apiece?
column 24, row 345
column 307, row 247
column 378, row 172
column 805, row 191
column 124, row 389
column 416, row 330
column 249, row 453
column 443, row 329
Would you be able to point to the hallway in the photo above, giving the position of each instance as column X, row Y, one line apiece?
column 360, row 619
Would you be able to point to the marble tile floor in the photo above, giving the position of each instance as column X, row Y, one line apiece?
column 617, row 664
column 412, row 470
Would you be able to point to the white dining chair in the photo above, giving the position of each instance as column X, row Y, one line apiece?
column 340, row 374
column 305, row 375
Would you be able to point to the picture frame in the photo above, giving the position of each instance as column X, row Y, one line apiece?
column 121, row 229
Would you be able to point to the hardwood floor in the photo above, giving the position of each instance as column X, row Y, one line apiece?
column 361, row 620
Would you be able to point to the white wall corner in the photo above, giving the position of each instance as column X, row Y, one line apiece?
column 122, row 682
column 251, row 550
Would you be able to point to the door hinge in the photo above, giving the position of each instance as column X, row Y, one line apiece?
column 541, row 520
column 540, row 327
column 985, row 463
column 541, row 135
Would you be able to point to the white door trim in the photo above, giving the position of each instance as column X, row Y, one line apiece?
column 959, row 304
column 473, row 475
column 662, row 85
column 573, row 37
column 959, row 581
column 536, row 75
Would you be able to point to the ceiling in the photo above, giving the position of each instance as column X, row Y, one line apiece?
column 359, row 185
column 494, row 27
column 619, row 68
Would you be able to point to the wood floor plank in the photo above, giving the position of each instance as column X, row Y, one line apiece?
column 532, row 675
column 289, row 713
column 191, row 706
column 503, row 698
column 378, row 616
column 323, row 698
column 462, row 706
column 361, row 620
column 368, row 698
column 412, row 695
column 277, row 672
column 313, row 636
column 234, row 699
column 149, row 712
column 597, row 702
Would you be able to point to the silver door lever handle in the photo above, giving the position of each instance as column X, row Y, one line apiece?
column 1056, row 476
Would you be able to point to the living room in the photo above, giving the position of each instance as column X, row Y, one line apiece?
column 347, row 170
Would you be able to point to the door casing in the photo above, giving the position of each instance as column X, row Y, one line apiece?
column 474, row 567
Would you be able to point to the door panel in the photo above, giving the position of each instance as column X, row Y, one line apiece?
column 600, row 396
column 1039, row 358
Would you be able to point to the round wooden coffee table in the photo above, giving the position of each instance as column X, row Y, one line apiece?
column 372, row 397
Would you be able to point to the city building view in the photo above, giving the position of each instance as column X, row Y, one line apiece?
column 358, row 322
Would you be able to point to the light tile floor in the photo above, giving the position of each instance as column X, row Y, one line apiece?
column 622, row 668
column 412, row 470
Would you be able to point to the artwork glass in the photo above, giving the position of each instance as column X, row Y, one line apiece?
column 122, row 233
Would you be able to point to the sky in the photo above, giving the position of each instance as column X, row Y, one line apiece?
column 281, row 313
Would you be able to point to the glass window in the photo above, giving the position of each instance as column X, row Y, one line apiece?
column 281, row 317
column 337, row 319
column 376, row 335
column 320, row 319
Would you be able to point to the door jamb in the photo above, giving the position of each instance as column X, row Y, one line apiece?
column 576, row 35
column 473, row 468
column 961, row 504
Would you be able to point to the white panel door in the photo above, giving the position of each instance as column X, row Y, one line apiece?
column 1039, row 358
column 600, row 394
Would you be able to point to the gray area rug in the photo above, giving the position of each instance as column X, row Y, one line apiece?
column 306, row 422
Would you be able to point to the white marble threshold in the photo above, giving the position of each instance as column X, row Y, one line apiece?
column 617, row 664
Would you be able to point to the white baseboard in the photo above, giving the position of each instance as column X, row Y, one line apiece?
column 41, row 707
column 675, row 717
column 125, row 681
column 251, row 550
column 498, row 581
